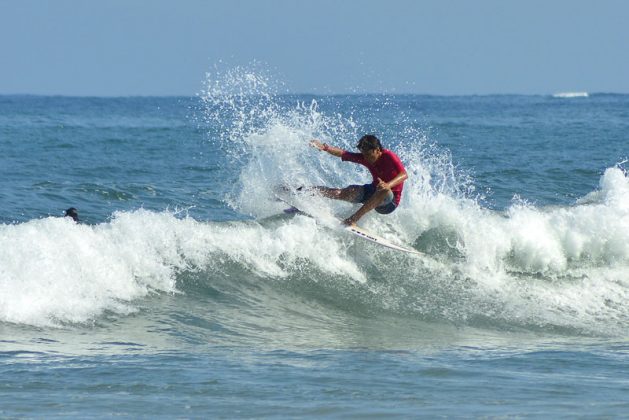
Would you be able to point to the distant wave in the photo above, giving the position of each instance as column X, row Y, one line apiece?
column 571, row 95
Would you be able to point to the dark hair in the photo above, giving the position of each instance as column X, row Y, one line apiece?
column 369, row 142
column 73, row 213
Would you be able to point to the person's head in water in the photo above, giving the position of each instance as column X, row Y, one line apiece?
column 370, row 147
column 73, row 213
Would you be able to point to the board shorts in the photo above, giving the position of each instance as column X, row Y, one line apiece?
column 367, row 190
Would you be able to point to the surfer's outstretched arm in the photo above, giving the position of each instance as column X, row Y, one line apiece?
column 324, row 147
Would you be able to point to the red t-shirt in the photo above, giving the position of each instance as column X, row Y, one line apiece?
column 387, row 167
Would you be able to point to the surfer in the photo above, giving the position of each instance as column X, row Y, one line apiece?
column 388, row 172
column 72, row 213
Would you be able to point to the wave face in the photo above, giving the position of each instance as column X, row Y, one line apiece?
column 523, row 267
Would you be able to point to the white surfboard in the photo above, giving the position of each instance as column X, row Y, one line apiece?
column 365, row 234
column 358, row 231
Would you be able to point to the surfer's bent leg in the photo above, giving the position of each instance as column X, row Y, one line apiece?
column 353, row 193
column 381, row 200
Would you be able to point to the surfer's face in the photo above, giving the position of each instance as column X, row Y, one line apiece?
column 371, row 155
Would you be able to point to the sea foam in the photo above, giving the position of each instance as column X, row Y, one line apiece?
column 54, row 271
column 571, row 95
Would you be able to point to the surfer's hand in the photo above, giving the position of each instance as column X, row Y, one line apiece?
column 382, row 185
column 317, row 144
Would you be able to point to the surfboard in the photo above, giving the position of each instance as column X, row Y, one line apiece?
column 355, row 230
column 365, row 234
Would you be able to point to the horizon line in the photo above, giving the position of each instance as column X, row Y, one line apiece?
column 63, row 95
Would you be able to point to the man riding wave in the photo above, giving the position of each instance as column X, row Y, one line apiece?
column 388, row 173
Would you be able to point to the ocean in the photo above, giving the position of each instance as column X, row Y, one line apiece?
column 185, row 290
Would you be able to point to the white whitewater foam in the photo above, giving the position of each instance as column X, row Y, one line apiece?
column 53, row 271
column 571, row 95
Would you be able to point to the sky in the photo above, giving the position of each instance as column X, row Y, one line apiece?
column 449, row 47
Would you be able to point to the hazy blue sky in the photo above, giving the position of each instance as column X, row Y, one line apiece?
column 156, row 47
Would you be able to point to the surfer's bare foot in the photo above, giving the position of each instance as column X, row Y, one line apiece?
column 350, row 221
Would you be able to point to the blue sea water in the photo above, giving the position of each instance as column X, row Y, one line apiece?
column 186, row 292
